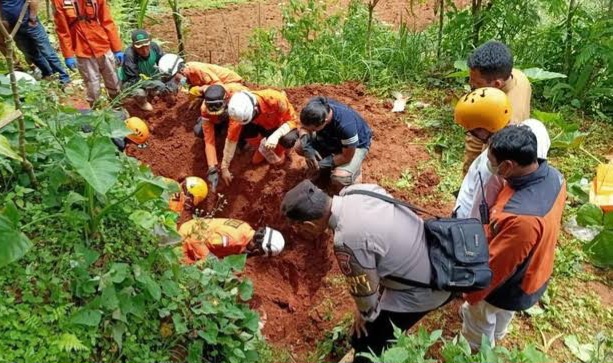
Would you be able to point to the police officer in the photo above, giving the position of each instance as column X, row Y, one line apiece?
column 376, row 244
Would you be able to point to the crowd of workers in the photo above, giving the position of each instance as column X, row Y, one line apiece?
column 382, row 247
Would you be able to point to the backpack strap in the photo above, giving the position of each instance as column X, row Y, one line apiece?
column 391, row 200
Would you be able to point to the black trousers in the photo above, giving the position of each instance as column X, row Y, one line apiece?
column 381, row 331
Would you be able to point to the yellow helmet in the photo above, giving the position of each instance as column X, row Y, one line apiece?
column 196, row 189
column 195, row 92
column 486, row 108
column 139, row 128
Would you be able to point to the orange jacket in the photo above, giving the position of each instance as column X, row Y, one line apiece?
column 274, row 109
column 92, row 36
column 220, row 236
column 522, row 235
column 208, row 126
column 204, row 74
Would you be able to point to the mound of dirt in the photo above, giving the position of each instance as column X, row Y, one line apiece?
column 298, row 292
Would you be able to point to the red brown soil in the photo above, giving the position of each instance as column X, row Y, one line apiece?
column 298, row 291
column 220, row 35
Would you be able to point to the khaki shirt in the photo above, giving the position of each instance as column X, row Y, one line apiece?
column 519, row 92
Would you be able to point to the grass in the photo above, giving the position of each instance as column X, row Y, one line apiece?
column 210, row 4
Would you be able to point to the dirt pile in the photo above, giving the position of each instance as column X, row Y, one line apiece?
column 300, row 293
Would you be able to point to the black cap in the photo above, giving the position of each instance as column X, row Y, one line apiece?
column 305, row 202
column 140, row 38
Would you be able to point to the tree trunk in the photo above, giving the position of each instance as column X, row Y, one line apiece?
column 568, row 49
column 178, row 20
column 371, row 9
column 8, row 40
column 476, row 15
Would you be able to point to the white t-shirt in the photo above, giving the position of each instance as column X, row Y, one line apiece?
column 470, row 195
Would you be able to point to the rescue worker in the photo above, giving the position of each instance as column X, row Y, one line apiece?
column 224, row 237
column 192, row 191
column 491, row 65
column 90, row 42
column 522, row 235
column 486, row 115
column 334, row 139
column 141, row 58
column 214, row 114
column 139, row 135
column 198, row 73
column 267, row 121
column 32, row 39
column 374, row 241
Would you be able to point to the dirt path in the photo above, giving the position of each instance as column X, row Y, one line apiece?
column 219, row 35
column 300, row 293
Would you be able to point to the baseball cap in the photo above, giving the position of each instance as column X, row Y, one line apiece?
column 140, row 38
column 304, row 202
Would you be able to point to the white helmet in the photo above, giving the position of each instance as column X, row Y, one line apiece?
column 22, row 76
column 271, row 240
column 241, row 107
column 169, row 64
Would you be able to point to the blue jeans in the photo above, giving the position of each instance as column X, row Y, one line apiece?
column 35, row 45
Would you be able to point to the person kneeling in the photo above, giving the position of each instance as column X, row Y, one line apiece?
column 334, row 139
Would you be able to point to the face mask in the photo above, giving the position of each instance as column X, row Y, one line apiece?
column 491, row 168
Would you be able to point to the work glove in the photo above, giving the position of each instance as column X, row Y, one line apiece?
column 327, row 162
column 119, row 56
column 71, row 63
column 213, row 177
column 310, row 154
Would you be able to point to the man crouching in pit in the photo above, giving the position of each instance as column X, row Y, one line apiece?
column 372, row 239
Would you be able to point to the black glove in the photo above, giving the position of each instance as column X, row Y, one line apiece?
column 198, row 131
column 327, row 162
column 310, row 154
column 120, row 143
column 213, row 177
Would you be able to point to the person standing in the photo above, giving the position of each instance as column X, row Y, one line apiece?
column 32, row 39
column 378, row 245
column 90, row 43
column 491, row 65
column 522, row 235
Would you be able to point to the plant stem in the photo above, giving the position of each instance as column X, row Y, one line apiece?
column 25, row 226
column 106, row 209
column 590, row 155
column 8, row 39
column 178, row 20
column 441, row 18
column 569, row 36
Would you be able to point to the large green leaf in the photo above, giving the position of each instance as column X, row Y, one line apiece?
column 581, row 351
column 152, row 287
column 149, row 189
column 538, row 74
column 569, row 140
column 7, row 150
column 13, row 243
column 194, row 354
column 608, row 221
column 87, row 317
column 589, row 215
column 98, row 164
column 600, row 249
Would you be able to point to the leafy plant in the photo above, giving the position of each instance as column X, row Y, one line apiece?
column 600, row 249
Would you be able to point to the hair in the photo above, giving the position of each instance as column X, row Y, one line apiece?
column 516, row 143
column 305, row 202
column 493, row 59
column 315, row 112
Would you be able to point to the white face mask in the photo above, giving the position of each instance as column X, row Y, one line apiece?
column 491, row 168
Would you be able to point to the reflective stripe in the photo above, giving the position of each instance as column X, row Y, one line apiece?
column 351, row 140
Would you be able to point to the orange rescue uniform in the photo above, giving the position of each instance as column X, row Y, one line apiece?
column 208, row 125
column 274, row 110
column 220, row 236
column 85, row 28
column 204, row 74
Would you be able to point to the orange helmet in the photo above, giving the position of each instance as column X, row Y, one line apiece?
column 139, row 128
column 484, row 108
column 195, row 189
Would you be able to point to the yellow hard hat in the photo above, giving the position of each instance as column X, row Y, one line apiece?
column 486, row 108
column 139, row 128
column 195, row 92
column 196, row 188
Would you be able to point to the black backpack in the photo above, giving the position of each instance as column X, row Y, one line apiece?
column 457, row 247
